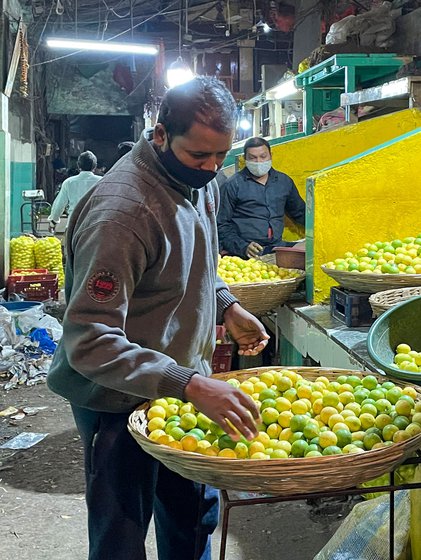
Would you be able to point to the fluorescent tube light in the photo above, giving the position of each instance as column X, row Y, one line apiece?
column 102, row 46
column 285, row 89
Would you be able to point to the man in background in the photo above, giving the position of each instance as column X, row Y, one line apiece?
column 74, row 188
column 254, row 203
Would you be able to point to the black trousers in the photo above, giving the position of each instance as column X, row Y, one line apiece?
column 125, row 486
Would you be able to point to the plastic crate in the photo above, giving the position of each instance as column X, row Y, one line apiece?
column 28, row 271
column 222, row 356
column 290, row 257
column 351, row 308
column 34, row 287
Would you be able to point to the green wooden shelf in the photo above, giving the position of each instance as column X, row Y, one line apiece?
column 343, row 73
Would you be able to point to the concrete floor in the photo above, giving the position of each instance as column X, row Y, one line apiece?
column 42, row 507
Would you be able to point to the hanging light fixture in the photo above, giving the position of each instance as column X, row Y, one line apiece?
column 179, row 72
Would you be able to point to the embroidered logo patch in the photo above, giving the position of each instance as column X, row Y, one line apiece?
column 103, row 286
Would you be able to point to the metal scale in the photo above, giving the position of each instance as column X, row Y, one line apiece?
column 32, row 210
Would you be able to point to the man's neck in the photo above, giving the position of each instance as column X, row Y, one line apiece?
column 262, row 180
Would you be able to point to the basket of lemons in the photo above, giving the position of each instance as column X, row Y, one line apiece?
column 321, row 429
column 383, row 265
column 259, row 286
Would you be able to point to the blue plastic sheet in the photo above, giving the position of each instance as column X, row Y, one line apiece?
column 45, row 343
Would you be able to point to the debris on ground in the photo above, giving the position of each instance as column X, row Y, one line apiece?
column 27, row 343
column 23, row 440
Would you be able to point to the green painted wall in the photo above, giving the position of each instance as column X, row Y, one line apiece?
column 21, row 178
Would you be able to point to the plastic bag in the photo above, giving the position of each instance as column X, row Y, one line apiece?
column 339, row 31
column 364, row 535
column 415, row 525
column 45, row 343
column 8, row 334
column 53, row 327
column 27, row 320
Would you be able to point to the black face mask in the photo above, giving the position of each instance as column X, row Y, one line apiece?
column 196, row 178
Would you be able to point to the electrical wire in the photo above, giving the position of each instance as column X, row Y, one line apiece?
column 110, row 39
column 112, row 10
column 43, row 29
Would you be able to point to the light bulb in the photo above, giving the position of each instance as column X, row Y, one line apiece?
column 245, row 124
column 179, row 73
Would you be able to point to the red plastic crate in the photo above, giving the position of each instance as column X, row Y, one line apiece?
column 222, row 356
column 28, row 271
column 35, row 287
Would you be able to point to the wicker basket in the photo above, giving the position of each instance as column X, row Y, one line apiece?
column 263, row 297
column 372, row 283
column 278, row 476
column 382, row 301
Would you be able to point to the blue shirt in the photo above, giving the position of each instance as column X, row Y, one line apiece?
column 250, row 211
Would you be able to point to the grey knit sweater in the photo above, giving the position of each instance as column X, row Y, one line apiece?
column 142, row 293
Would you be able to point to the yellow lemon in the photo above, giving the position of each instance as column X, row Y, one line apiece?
column 156, row 412
column 256, row 447
column 156, row 423
column 227, row 453
column 189, row 443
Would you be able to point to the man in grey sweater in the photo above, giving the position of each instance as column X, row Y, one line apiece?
column 143, row 300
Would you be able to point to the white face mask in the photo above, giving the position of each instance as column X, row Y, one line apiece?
column 259, row 168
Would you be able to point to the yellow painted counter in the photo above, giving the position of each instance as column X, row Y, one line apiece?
column 305, row 156
column 375, row 196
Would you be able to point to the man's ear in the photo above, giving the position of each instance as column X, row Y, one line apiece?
column 160, row 138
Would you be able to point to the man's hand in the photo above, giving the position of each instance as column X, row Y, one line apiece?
column 220, row 401
column 253, row 250
column 247, row 331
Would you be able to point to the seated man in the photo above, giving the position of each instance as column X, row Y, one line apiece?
column 254, row 202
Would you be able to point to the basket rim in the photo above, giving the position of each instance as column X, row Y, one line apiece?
column 384, row 293
column 347, row 273
column 280, row 282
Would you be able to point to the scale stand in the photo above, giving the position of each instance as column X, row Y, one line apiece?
column 34, row 199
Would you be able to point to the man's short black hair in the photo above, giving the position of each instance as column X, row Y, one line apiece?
column 87, row 161
column 256, row 142
column 204, row 99
column 124, row 148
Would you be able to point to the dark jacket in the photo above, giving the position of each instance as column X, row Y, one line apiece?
column 250, row 211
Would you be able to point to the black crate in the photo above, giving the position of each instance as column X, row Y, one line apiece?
column 351, row 308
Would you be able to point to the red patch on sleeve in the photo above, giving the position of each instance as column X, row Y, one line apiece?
column 103, row 286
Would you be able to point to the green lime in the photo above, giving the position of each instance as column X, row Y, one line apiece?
column 332, row 450
column 170, row 426
column 188, row 421
column 174, row 418
column 177, row 433
column 298, row 422
column 299, row 448
column 369, row 382
column 268, row 394
column 225, row 442
column 216, row 429
column 267, row 403
column 401, row 422
column 203, row 422
column 353, row 380
column 197, row 433
column 344, row 437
